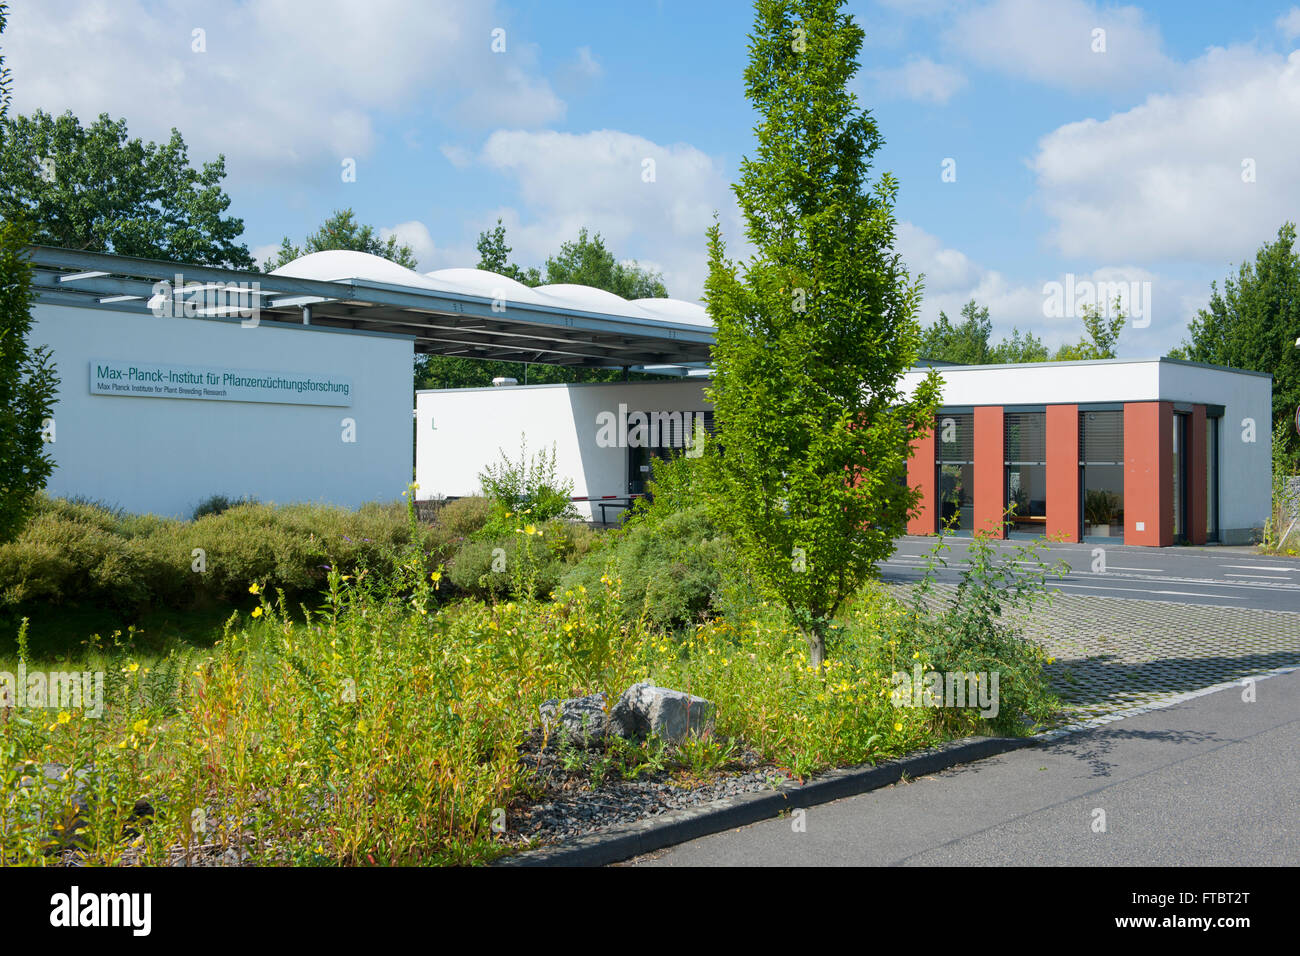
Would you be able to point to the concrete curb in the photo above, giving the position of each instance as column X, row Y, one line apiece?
column 677, row 826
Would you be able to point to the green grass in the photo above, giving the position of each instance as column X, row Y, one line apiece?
column 64, row 634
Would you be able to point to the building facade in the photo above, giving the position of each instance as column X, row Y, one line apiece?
column 1152, row 453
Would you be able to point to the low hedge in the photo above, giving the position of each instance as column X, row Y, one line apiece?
column 76, row 551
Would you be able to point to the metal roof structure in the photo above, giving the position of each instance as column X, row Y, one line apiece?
column 463, row 312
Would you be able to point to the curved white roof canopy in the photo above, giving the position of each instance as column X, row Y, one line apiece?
column 337, row 265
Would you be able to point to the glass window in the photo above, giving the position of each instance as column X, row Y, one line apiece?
column 1212, row 479
column 1025, row 443
column 1101, row 457
column 1180, row 477
column 955, row 459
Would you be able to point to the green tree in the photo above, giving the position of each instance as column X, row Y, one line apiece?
column 28, row 382
column 814, row 335
column 1016, row 350
column 494, row 256
column 1254, row 323
column 586, row 261
column 964, row 344
column 1101, row 335
column 342, row 231
column 92, row 188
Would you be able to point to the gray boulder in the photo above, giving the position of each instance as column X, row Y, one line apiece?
column 584, row 720
column 644, row 709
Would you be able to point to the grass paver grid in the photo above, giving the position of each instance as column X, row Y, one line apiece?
column 1112, row 654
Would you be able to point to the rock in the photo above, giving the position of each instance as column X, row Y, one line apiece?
column 645, row 709
column 583, row 719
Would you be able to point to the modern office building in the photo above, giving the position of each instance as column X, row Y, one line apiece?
column 180, row 382
column 1154, row 452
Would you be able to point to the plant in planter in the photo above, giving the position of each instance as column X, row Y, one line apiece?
column 1100, row 510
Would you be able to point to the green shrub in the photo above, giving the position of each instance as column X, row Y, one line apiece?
column 522, row 563
column 217, row 504
column 76, row 551
column 670, row 561
column 528, row 489
column 463, row 517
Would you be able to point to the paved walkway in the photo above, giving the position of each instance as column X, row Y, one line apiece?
column 1213, row 781
column 1115, row 654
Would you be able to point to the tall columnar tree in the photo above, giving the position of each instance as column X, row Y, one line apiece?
column 27, row 379
column 92, row 188
column 815, row 331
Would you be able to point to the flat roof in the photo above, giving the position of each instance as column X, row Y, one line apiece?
column 441, row 321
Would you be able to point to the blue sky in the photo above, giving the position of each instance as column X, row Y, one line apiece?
column 1123, row 164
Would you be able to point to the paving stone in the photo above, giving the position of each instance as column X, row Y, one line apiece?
column 1114, row 654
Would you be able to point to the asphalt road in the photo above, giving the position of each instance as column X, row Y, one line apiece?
column 1223, row 576
column 1211, row 781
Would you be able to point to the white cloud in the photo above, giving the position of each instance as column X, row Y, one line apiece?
column 282, row 83
column 1051, row 42
column 458, row 156
column 262, row 254
column 595, row 179
column 1165, row 180
column 1288, row 24
column 920, row 79
column 952, row 279
column 416, row 235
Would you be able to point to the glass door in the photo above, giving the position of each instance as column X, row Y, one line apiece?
column 1180, row 477
column 955, row 463
column 1025, row 441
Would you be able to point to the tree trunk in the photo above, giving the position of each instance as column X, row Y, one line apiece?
column 816, row 647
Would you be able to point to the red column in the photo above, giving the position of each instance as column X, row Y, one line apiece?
column 990, row 470
column 921, row 476
column 1148, row 473
column 1196, row 476
column 1063, row 472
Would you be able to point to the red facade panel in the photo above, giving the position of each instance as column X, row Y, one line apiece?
column 921, row 476
column 1063, row 472
column 990, row 486
column 1148, row 474
column 1196, row 477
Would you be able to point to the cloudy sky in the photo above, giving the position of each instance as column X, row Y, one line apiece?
column 1033, row 139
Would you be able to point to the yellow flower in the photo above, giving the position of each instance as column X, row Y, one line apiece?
column 132, row 667
column 64, row 717
column 140, row 726
column 435, row 577
column 898, row 726
column 257, row 612
column 916, row 655
column 254, row 589
column 530, row 529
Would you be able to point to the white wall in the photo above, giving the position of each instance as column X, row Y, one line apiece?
column 1245, row 466
column 164, row 455
column 1052, row 383
column 460, row 431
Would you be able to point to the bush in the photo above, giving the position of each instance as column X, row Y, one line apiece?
column 73, row 551
column 528, row 487
column 218, row 504
column 522, row 564
column 670, row 561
